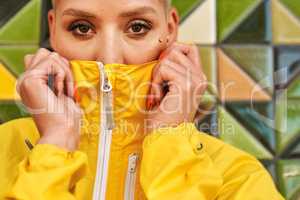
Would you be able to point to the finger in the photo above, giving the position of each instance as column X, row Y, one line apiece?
column 28, row 60
column 191, row 51
column 59, row 76
column 69, row 81
column 41, row 54
column 51, row 66
column 163, row 73
column 184, row 63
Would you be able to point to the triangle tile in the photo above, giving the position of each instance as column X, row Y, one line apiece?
column 185, row 7
column 254, row 29
column 234, row 84
column 202, row 18
column 13, row 56
column 256, row 61
column 286, row 27
column 7, row 85
column 232, row 132
column 231, row 13
column 28, row 21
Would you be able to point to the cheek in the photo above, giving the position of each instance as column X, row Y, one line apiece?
column 143, row 51
column 72, row 49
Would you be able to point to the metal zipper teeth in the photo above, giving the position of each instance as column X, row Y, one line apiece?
column 105, row 136
column 131, row 177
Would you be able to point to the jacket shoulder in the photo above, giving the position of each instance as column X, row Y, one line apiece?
column 226, row 157
column 15, row 131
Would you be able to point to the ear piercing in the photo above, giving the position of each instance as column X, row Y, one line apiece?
column 161, row 40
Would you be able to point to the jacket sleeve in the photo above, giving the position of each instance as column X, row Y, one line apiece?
column 181, row 163
column 48, row 173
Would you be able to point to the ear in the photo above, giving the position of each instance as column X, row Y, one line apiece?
column 51, row 24
column 173, row 25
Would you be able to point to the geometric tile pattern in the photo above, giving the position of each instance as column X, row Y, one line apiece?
column 250, row 51
column 250, row 54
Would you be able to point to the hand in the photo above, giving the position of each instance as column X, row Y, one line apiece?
column 178, row 84
column 56, row 115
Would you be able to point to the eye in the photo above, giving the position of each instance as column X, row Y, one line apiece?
column 81, row 29
column 139, row 27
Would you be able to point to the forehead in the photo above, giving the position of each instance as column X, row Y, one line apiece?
column 103, row 3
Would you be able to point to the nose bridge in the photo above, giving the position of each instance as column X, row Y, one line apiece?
column 110, row 48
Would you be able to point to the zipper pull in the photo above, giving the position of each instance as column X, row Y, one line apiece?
column 106, row 88
column 132, row 162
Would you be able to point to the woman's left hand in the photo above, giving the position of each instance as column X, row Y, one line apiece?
column 178, row 83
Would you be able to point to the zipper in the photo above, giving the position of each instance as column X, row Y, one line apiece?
column 105, row 136
column 131, row 177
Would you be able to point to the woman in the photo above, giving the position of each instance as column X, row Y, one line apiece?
column 69, row 161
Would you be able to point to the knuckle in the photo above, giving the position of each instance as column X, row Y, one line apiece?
column 42, row 51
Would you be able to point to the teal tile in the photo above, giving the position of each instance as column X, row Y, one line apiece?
column 234, row 133
column 287, row 65
column 257, row 118
column 289, row 178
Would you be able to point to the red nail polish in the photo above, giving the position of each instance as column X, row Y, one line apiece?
column 162, row 55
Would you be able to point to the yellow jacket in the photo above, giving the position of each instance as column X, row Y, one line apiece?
column 170, row 163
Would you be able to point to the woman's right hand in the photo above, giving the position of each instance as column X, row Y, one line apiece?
column 56, row 115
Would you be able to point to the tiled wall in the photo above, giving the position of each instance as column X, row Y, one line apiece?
column 250, row 51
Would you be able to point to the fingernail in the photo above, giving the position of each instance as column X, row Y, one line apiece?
column 162, row 55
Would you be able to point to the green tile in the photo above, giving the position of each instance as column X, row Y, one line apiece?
column 13, row 56
column 256, row 61
column 184, row 7
column 292, row 5
column 287, row 121
column 257, row 118
column 296, row 150
column 209, row 66
column 232, row 132
column 294, row 89
column 254, row 29
column 24, row 27
column 230, row 14
column 289, row 178
column 11, row 110
column 9, row 9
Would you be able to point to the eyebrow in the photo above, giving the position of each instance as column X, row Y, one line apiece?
column 138, row 11
column 78, row 13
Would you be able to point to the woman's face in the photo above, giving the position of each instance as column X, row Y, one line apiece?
column 112, row 31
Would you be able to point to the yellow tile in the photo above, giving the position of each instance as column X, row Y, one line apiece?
column 286, row 27
column 7, row 85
